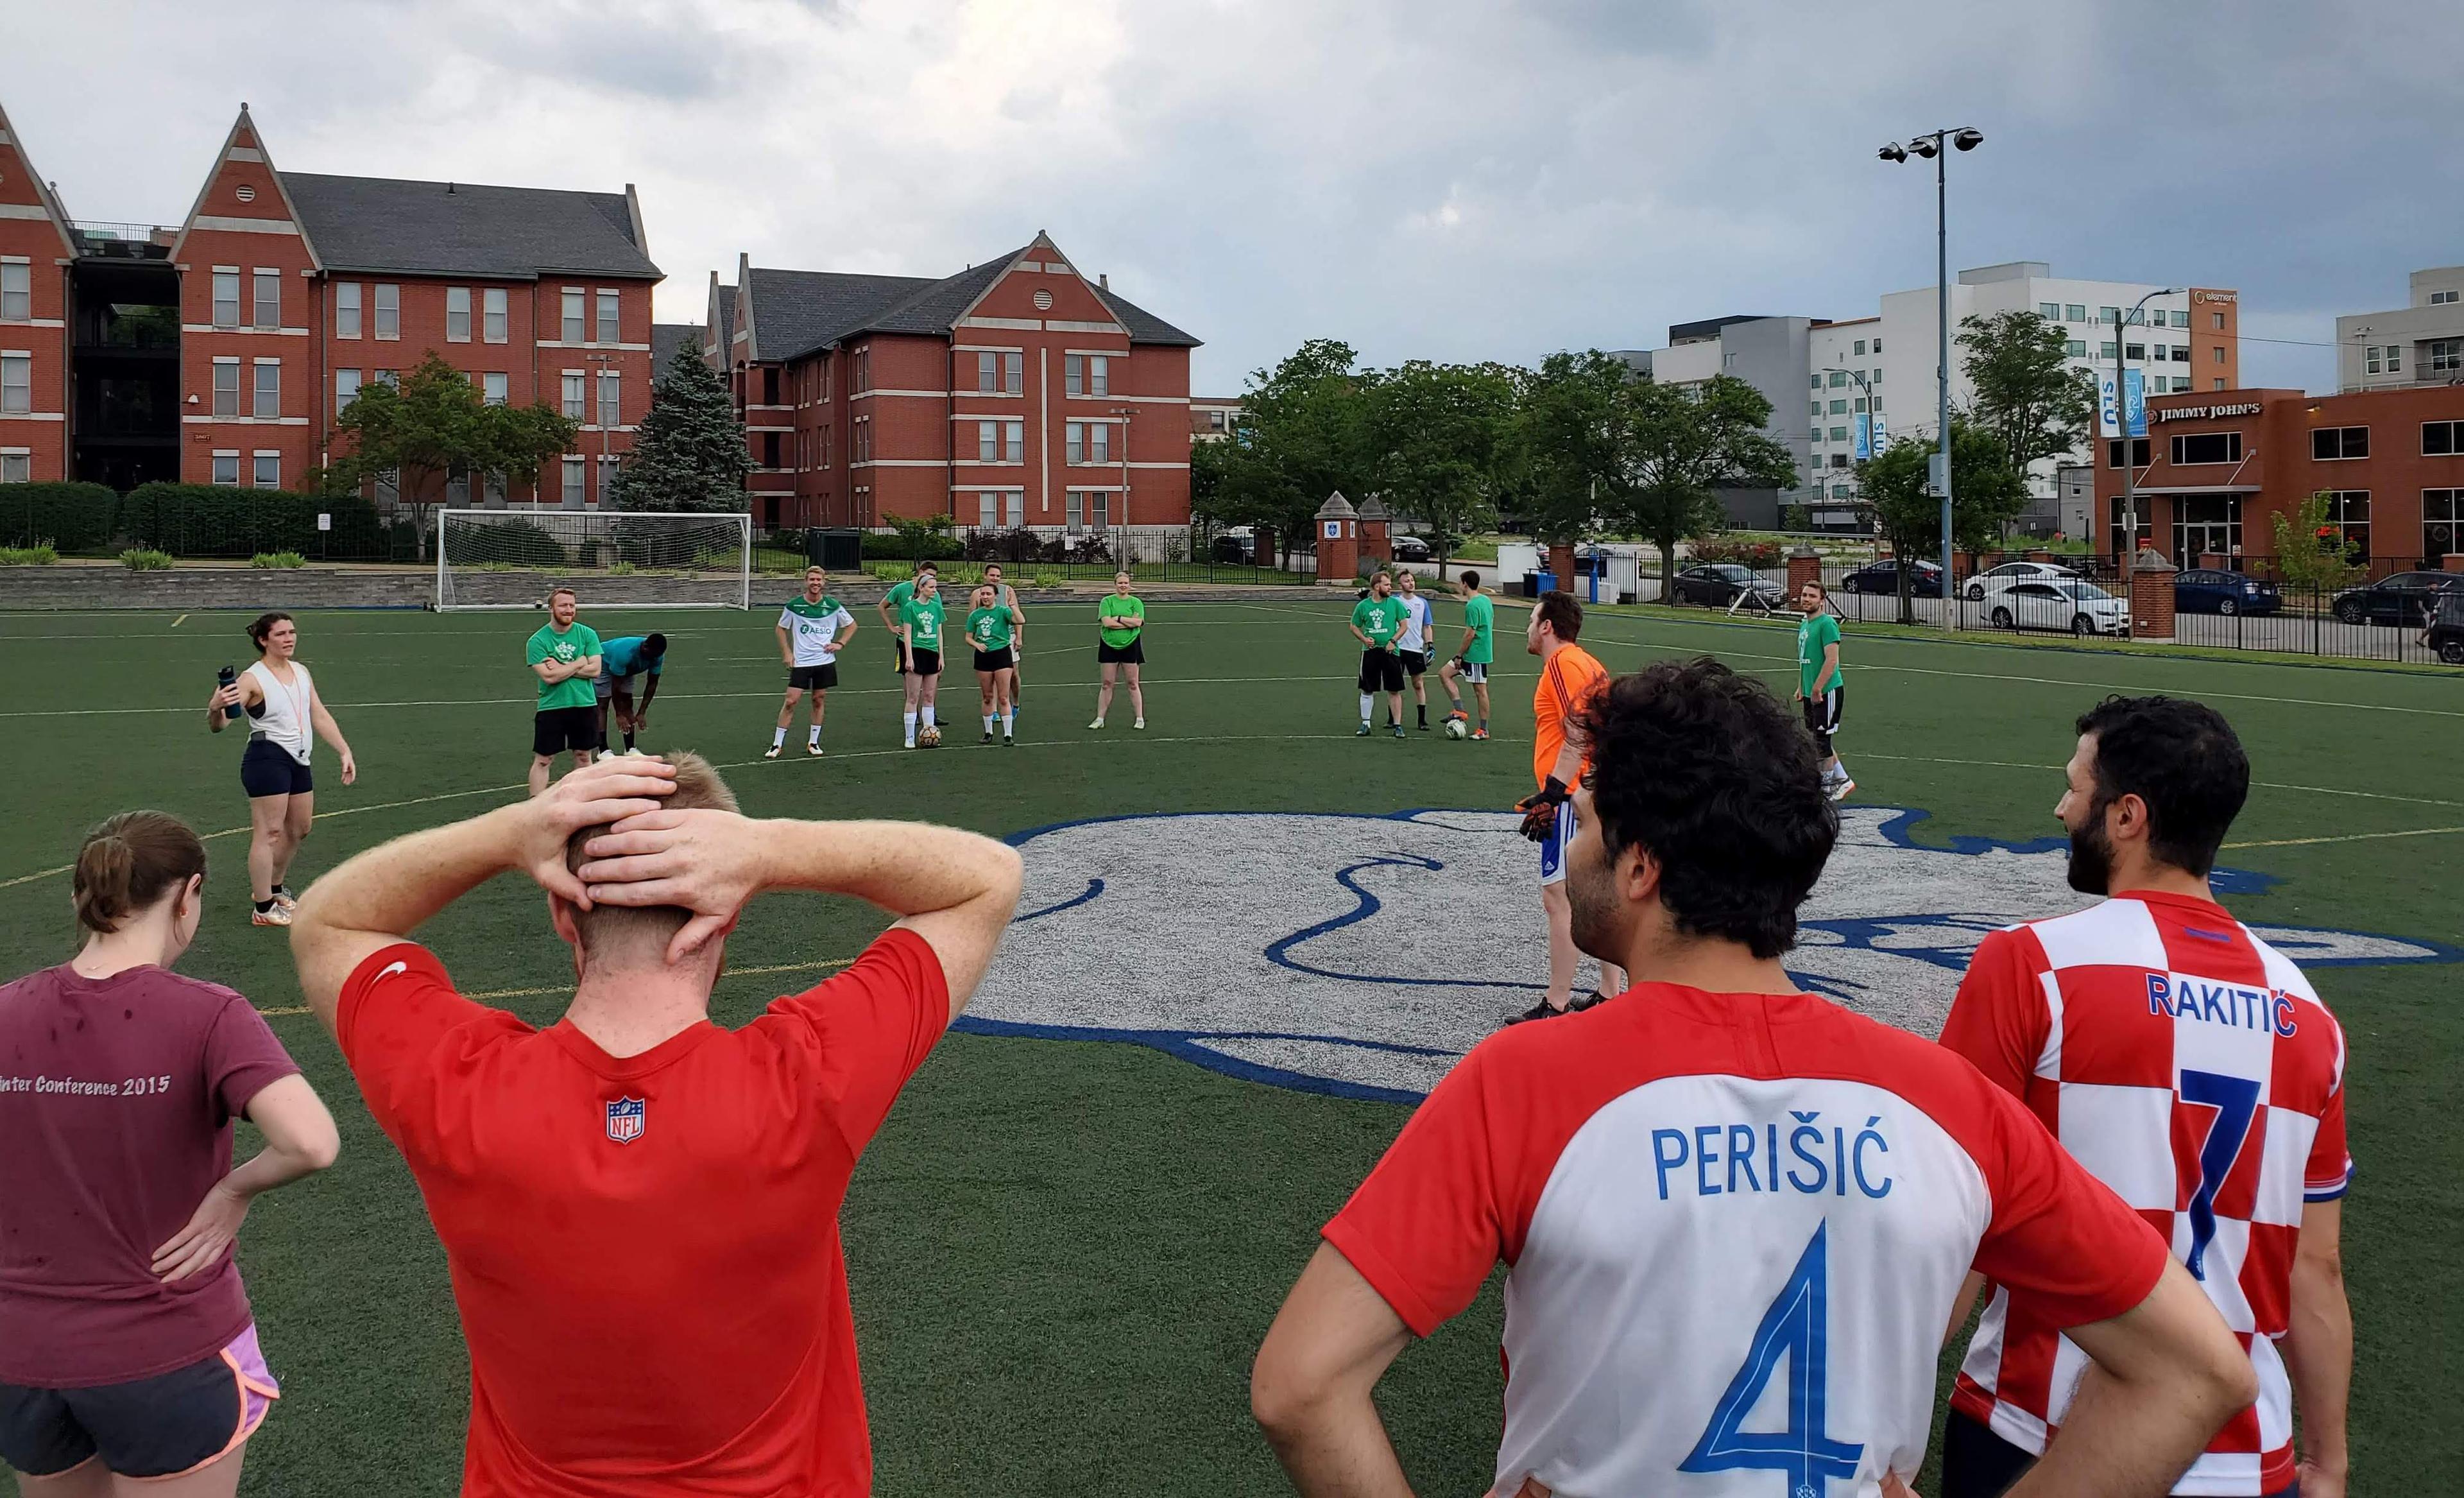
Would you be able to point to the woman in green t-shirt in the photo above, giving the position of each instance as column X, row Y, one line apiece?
column 1120, row 622
column 988, row 630
column 919, row 629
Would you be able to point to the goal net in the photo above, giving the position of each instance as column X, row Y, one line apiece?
column 512, row 559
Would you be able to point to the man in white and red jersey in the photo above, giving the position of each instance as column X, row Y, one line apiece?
column 1734, row 1212
column 2193, row 1070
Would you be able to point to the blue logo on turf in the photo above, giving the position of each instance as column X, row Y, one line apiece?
column 624, row 1116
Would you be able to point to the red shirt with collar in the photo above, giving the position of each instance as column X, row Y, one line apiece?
column 645, row 1249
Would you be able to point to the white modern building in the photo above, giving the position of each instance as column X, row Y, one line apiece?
column 2419, row 344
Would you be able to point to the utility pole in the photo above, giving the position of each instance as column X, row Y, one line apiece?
column 2130, row 449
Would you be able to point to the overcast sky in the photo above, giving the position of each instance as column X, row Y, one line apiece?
column 1448, row 179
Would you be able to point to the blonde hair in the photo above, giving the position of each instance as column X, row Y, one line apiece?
column 127, row 862
column 607, row 930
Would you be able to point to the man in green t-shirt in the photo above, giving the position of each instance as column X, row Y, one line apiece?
column 1375, row 620
column 919, row 627
column 565, row 656
column 1817, row 683
column 1120, row 646
column 1474, row 654
column 895, row 599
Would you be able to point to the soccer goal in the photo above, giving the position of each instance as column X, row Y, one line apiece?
column 511, row 558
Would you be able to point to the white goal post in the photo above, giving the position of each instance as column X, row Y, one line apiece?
column 513, row 557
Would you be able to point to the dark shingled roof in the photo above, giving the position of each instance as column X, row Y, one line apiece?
column 464, row 228
column 726, row 323
column 1144, row 326
column 796, row 311
column 666, row 338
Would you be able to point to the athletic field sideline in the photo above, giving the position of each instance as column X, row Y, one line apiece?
column 1063, row 1253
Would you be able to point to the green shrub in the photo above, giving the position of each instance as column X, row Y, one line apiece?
column 39, row 555
column 218, row 520
column 1746, row 552
column 912, row 547
column 70, row 518
column 272, row 561
column 621, row 569
column 140, row 558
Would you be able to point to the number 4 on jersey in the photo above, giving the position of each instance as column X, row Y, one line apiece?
column 1796, row 1324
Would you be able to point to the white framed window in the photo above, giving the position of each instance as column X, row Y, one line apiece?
column 2050, row 311
column 226, row 468
column 2075, row 348
column 610, row 326
column 268, row 470
column 2445, row 354
column 17, row 467
column 17, row 383
column 988, row 509
column 267, row 401
column 1016, row 434
column 227, row 387
column 1839, row 408
column 1076, row 513
column 391, row 377
column 16, row 291
column 611, row 405
column 573, row 395
column 2074, row 312
column 2136, row 353
column 1017, row 508
column 607, row 462
column 2442, row 438
column 346, row 309
column 388, row 310
column 1014, row 374
column 1099, row 510
column 2440, row 298
column 347, row 389
column 1073, row 374
column 1860, row 349
column 573, row 482
column 1099, row 374
column 987, row 373
column 1099, row 442
column 492, row 327
column 267, row 311
column 458, row 314
column 227, row 299
column 573, row 315
column 988, row 442
column 494, row 386
column 2219, row 352
column 2181, row 383
column 1073, row 442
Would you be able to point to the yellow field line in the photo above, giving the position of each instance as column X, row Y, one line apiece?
column 177, row 623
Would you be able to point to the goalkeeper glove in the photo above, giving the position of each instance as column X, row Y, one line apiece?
column 1540, row 811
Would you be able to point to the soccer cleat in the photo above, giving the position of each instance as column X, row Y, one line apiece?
column 774, row 751
column 1363, row 732
column 284, row 899
column 1009, row 740
column 272, row 916
column 1479, row 733
column 1539, row 1011
column 1140, row 723
column 1098, row 723
column 988, row 736
column 911, row 743
column 1840, row 788
column 1399, row 730
column 813, row 747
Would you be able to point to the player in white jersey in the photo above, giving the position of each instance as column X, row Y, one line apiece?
column 280, row 701
column 1413, row 644
column 1736, row 1215
column 812, row 629
column 2188, row 1065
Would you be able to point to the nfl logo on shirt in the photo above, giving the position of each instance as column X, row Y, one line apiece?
column 625, row 1119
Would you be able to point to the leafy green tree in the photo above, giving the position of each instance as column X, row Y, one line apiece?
column 435, row 424
column 2036, row 404
column 1985, row 493
column 1566, row 457
column 1679, row 446
column 1302, row 436
column 1438, row 438
column 2311, row 551
column 690, row 454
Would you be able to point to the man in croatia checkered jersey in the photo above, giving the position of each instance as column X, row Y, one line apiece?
column 1737, row 1215
column 2190, row 1067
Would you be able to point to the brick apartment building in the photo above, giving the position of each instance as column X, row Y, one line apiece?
column 2217, row 466
column 1015, row 393
column 221, row 350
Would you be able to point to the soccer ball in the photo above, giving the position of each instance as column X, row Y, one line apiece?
column 1457, row 727
column 928, row 737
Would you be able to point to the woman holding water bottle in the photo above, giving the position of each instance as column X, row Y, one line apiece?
column 280, row 701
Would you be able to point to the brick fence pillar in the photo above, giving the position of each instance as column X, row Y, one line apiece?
column 1374, row 544
column 2152, row 596
column 1561, row 565
column 1339, row 541
column 1804, row 565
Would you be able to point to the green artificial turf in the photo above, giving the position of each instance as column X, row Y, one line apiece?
column 1064, row 1253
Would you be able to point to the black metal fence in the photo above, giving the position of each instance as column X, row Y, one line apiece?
column 1150, row 554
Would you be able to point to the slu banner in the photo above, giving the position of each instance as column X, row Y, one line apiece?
column 2133, row 402
column 1868, row 437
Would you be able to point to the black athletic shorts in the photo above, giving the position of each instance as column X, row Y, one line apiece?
column 1133, row 653
column 267, row 769
column 161, row 1426
column 924, row 663
column 555, row 730
column 1002, row 659
column 814, row 678
column 1416, row 662
column 1822, row 715
column 1381, row 671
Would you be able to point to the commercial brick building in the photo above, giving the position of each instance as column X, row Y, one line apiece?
column 221, row 350
column 2216, row 466
column 1016, row 393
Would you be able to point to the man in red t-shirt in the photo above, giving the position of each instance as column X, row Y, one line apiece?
column 1736, row 1215
column 639, row 1208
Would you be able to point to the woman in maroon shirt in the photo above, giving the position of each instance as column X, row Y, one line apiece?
column 128, row 1359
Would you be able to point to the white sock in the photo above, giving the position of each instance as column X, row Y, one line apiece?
column 1368, row 705
column 910, row 728
column 1839, row 769
column 928, row 715
column 1009, row 722
column 814, row 735
column 777, row 738
column 988, row 722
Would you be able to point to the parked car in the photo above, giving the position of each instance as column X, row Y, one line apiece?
column 1719, row 583
column 2213, row 590
column 1884, row 576
column 2445, row 635
column 1409, row 548
column 2403, row 598
column 2012, row 572
column 2056, row 603
column 1233, row 550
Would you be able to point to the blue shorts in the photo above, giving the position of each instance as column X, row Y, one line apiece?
column 1553, row 846
column 267, row 769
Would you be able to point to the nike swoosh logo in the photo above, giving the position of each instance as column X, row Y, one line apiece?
column 388, row 970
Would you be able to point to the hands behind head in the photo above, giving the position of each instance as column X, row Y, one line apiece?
column 607, row 790
column 708, row 862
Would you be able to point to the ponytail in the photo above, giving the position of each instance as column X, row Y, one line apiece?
column 128, row 862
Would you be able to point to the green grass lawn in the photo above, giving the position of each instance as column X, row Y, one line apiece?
column 1064, row 1253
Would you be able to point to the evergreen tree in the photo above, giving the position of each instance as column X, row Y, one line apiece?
column 690, row 454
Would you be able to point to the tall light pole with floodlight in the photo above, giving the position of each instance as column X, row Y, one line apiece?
column 1931, row 148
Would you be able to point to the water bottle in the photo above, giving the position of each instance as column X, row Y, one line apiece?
column 225, row 678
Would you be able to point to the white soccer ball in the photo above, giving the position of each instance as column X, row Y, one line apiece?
column 1457, row 728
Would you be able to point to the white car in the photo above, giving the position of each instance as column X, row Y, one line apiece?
column 2066, row 604
column 2012, row 572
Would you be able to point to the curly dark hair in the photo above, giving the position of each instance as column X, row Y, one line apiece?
column 1705, row 770
column 2178, row 757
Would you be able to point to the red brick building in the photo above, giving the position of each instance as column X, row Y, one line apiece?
column 36, row 246
column 222, row 350
column 2217, row 466
column 1013, row 393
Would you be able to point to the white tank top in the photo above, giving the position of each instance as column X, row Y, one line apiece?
column 284, row 721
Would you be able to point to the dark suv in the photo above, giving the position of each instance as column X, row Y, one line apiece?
column 2445, row 635
column 2404, row 598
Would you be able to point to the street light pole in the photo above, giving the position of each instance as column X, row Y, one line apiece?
column 1932, row 145
column 1125, row 413
column 1873, row 418
column 2121, row 425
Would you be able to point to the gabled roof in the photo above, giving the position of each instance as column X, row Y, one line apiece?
column 466, row 228
column 1144, row 326
column 53, row 207
column 937, row 306
column 722, row 310
column 796, row 312
column 666, row 338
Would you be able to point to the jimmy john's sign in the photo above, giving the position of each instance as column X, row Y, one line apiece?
column 2205, row 412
